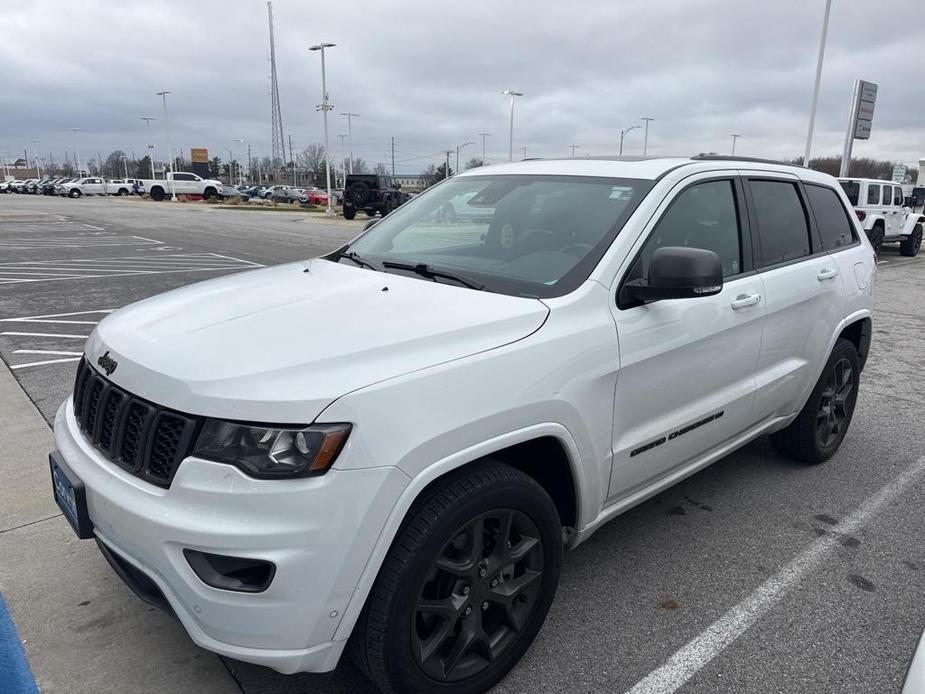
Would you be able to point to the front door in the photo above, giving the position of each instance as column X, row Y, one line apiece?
column 687, row 366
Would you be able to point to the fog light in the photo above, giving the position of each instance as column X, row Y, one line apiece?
column 231, row 573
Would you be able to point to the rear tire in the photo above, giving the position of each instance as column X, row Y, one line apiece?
column 876, row 238
column 817, row 432
column 465, row 587
column 910, row 245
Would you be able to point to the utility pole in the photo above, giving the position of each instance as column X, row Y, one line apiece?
column 446, row 171
column 483, row 136
column 574, row 147
column 152, row 152
column 645, row 141
column 734, row 136
column 173, row 190
column 250, row 171
column 393, row 156
column 350, row 117
column 35, row 160
column 343, row 159
column 292, row 161
column 459, row 147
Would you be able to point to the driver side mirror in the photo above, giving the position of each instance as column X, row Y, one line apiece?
column 678, row 272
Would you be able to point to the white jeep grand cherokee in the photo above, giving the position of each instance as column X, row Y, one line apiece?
column 391, row 445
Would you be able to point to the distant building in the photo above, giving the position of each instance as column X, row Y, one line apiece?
column 410, row 183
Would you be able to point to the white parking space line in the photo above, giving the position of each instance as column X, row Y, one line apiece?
column 698, row 653
column 82, row 241
column 14, row 367
column 55, row 318
column 90, row 226
column 73, row 337
column 48, row 351
column 126, row 266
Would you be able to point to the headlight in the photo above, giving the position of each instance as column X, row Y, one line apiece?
column 272, row 452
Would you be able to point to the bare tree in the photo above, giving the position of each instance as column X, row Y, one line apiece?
column 381, row 170
column 112, row 167
column 474, row 163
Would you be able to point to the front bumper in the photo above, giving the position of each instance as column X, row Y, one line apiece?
column 319, row 532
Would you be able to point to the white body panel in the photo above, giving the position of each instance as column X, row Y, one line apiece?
column 433, row 376
column 180, row 182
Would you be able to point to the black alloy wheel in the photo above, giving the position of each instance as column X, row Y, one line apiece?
column 836, row 403
column 478, row 595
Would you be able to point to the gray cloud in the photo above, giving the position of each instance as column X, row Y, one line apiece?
column 431, row 75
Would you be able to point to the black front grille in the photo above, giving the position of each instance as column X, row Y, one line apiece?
column 147, row 440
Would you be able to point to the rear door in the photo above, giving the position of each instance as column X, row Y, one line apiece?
column 687, row 366
column 804, row 293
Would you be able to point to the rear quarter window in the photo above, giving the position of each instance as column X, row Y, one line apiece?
column 832, row 220
column 873, row 194
column 783, row 230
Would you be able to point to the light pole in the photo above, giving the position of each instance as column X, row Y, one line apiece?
column 645, row 139
column 459, row 147
column 350, row 117
column 483, row 136
column 230, row 164
column 574, row 147
column 242, row 141
column 812, row 108
column 624, row 133
column 125, row 166
column 173, row 190
column 324, row 108
column 510, row 143
column 77, row 145
column 150, row 145
column 35, row 160
column 343, row 160
column 734, row 136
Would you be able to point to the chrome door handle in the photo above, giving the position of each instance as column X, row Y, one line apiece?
column 745, row 300
column 826, row 274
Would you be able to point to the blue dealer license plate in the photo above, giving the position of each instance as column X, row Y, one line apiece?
column 70, row 495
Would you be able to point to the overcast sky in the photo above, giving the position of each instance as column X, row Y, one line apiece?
column 430, row 73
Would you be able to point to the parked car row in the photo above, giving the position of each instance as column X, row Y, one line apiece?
column 71, row 187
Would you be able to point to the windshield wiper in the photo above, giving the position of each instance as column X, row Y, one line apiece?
column 424, row 270
column 356, row 258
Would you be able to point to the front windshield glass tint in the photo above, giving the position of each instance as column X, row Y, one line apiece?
column 514, row 234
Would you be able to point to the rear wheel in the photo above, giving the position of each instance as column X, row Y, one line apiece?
column 465, row 587
column 876, row 238
column 817, row 432
column 910, row 245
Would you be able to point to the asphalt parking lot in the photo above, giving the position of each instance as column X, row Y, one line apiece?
column 756, row 575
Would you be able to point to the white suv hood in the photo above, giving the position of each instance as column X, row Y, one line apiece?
column 280, row 344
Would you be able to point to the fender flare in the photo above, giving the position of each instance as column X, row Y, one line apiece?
column 911, row 221
column 417, row 484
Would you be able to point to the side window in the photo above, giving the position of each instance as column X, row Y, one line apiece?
column 897, row 196
column 702, row 216
column 873, row 194
column 183, row 177
column 835, row 227
column 782, row 229
column 887, row 195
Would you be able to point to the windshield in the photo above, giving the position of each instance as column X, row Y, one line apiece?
column 537, row 236
column 852, row 190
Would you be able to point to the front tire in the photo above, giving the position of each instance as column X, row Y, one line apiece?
column 157, row 193
column 817, row 432
column 74, row 193
column 465, row 587
column 876, row 238
column 349, row 213
column 910, row 245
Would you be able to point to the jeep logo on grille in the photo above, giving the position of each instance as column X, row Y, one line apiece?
column 107, row 363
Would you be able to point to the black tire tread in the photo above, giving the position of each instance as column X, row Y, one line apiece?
column 797, row 441
column 368, row 642
column 907, row 247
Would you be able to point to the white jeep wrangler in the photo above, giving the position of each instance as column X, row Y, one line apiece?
column 392, row 445
column 881, row 208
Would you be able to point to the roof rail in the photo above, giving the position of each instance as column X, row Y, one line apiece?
column 756, row 160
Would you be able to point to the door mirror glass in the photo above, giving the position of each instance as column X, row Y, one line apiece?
column 679, row 272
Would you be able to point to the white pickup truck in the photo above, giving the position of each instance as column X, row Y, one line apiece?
column 180, row 183
column 881, row 208
column 94, row 185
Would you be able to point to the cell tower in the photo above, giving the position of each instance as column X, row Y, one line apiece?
column 279, row 147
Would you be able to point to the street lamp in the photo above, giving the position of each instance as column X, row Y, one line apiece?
column 510, row 144
column 173, row 190
column 150, row 145
column 324, row 108
column 77, row 145
column 734, row 136
column 645, row 140
column 230, row 165
column 35, row 160
column 624, row 133
column 459, row 147
column 350, row 117
column 343, row 160
column 242, row 141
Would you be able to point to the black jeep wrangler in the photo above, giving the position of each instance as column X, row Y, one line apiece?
column 371, row 193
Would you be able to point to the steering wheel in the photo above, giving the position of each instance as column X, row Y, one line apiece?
column 583, row 249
